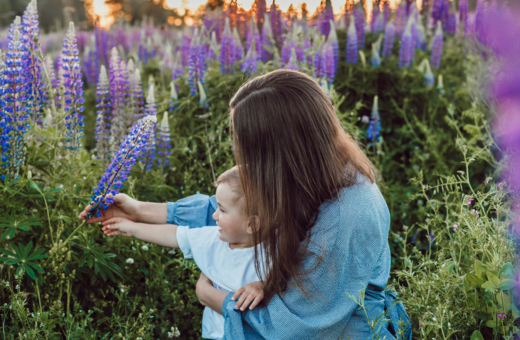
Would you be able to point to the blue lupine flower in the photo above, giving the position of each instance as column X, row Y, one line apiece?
column 250, row 61
column 452, row 24
column 317, row 61
column 36, row 93
column 73, row 90
column 173, row 98
column 227, row 50
column 267, row 40
column 119, row 96
column 352, row 43
column 388, row 43
column 407, row 48
column 239, row 49
column 149, row 148
column 333, row 39
column 359, row 17
column 440, row 86
column 164, row 142
column 203, row 102
column 463, row 15
column 197, row 62
column 137, row 93
column 429, row 78
column 374, row 128
column 438, row 41
column 103, row 112
column 293, row 61
column 379, row 25
column 252, row 34
column 376, row 58
column 121, row 164
column 14, row 101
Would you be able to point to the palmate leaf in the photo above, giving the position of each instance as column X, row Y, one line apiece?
column 22, row 256
column 13, row 222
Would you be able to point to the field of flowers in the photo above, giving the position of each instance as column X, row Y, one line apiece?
column 144, row 110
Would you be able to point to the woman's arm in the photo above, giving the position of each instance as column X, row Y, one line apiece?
column 208, row 295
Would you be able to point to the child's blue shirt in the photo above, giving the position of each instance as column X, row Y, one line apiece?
column 351, row 233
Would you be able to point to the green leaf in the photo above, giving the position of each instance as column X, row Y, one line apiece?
column 506, row 284
column 480, row 269
column 477, row 336
column 493, row 278
column 144, row 270
column 504, row 301
column 489, row 285
column 473, row 280
column 29, row 271
column 34, row 186
column 507, row 271
column 491, row 323
column 36, row 267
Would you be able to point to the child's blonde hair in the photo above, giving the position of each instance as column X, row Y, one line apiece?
column 231, row 178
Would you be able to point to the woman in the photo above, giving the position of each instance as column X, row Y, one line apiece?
column 323, row 224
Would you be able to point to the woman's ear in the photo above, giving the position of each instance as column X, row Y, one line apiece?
column 257, row 224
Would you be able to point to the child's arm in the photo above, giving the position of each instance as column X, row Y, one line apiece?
column 252, row 293
column 161, row 234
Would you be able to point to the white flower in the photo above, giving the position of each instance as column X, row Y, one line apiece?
column 130, row 260
column 172, row 251
column 144, row 247
column 7, row 284
column 175, row 333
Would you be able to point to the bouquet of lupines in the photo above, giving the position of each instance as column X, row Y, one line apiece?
column 120, row 165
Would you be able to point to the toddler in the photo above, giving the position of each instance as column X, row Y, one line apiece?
column 224, row 254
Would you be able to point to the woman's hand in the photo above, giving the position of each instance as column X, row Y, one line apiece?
column 124, row 206
column 208, row 295
column 119, row 226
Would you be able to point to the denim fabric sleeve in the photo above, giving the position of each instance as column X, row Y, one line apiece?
column 194, row 211
column 351, row 233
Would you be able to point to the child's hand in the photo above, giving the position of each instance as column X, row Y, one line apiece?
column 252, row 293
column 119, row 226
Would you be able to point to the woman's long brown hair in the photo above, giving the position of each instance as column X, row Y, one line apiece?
column 293, row 156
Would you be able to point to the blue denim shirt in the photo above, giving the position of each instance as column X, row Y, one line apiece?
column 352, row 234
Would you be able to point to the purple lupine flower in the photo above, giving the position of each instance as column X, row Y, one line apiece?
column 164, row 142
column 267, row 40
column 260, row 14
column 479, row 20
column 286, row 52
column 451, row 27
column 419, row 35
column 379, row 24
column 327, row 15
column 203, row 101
column 89, row 66
column 73, row 90
column 359, row 17
column 375, row 58
column 149, row 149
column 388, row 43
column 119, row 96
column 407, row 48
column 36, row 95
column 185, row 49
column 429, row 78
column 463, row 15
column 307, row 46
column 293, row 61
column 121, row 164
column 400, row 18
column 330, row 63
column 436, row 11
column 252, row 34
column 386, row 11
column 276, row 22
column 374, row 128
column 352, row 43
column 173, row 98
column 137, row 94
column 250, row 61
column 333, row 39
column 445, row 12
column 193, row 71
column 14, row 120
column 437, row 43
column 227, row 50
column 318, row 63
column 213, row 49
column 375, row 16
column 177, row 70
column 239, row 49
column 103, row 112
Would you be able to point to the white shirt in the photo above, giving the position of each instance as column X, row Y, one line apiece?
column 228, row 269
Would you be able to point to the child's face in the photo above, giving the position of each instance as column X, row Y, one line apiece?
column 231, row 219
